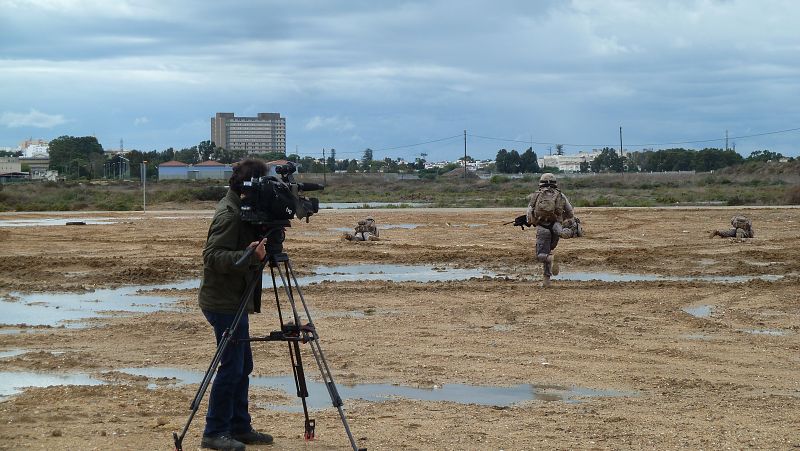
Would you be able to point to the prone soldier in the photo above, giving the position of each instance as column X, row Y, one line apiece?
column 742, row 228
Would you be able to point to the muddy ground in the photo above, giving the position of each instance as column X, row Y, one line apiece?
column 728, row 380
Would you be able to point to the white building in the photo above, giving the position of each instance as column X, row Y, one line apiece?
column 569, row 163
column 35, row 148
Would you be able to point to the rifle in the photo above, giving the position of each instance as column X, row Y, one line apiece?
column 520, row 221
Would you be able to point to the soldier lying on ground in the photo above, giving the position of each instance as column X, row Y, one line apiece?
column 742, row 228
column 366, row 230
column 571, row 228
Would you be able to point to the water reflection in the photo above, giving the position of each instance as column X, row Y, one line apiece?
column 457, row 393
column 394, row 273
column 67, row 309
column 14, row 382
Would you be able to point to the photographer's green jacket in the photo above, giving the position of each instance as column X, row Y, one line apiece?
column 224, row 283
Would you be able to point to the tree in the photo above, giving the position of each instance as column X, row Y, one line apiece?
column 764, row 155
column 366, row 160
column 352, row 166
column 559, row 149
column 501, row 161
column 607, row 161
column 188, row 156
column 584, row 166
column 529, row 162
column 206, row 149
column 331, row 163
column 77, row 157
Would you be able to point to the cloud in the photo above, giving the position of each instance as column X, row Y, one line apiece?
column 33, row 118
column 335, row 123
column 141, row 120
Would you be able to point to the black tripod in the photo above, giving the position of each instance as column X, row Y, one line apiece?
column 293, row 332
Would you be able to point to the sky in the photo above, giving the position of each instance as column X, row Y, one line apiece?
column 407, row 78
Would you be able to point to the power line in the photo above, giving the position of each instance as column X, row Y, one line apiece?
column 546, row 143
column 699, row 141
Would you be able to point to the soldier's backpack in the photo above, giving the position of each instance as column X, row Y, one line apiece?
column 548, row 207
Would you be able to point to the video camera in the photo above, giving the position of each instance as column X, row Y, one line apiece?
column 274, row 201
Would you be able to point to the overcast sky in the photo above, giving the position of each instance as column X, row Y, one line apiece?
column 393, row 74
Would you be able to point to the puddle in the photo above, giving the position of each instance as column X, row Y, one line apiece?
column 623, row 277
column 347, row 205
column 697, row 337
column 67, row 309
column 11, row 353
column 14, row 382
column 57, row 221
column 706, row 261
column 700, row 311
column 773, row 332
column 458, row 393
column 70, row 309
column 394, row 273
column 400, row 226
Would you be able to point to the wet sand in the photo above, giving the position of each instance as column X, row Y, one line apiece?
column 724, row 378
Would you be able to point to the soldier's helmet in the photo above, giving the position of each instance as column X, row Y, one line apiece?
column 548, row 179
column 369, row 219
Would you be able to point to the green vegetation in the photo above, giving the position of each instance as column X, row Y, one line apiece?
column 751, row 183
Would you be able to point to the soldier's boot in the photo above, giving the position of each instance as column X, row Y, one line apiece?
column 373, row 238
column 347, row 236
column 713, row 233
column 546, row 282
column 555, row 268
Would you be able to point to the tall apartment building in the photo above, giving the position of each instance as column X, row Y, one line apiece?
column 263, row 133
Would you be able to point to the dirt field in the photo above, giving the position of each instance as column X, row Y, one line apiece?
column 730, row 379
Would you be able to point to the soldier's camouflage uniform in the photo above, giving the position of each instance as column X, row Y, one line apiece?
column 366, row 230
column 571, row 228
column 547, row 234
column 742, row 228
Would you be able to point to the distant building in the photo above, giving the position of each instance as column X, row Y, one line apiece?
column 9, row 165
column 176, row 170
column 264, row 133
column 38, row 166
column 569, row 163
column 35, row 148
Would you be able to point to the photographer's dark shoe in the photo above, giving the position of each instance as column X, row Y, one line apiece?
column 253, row 438
column 222, row 443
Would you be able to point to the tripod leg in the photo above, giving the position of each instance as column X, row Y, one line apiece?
column 302, row 388
column 310, row 336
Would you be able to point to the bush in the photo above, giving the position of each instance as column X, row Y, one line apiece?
column 499, row 179
column 792, row 196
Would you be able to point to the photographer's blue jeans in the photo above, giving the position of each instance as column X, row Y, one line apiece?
column 227, row 404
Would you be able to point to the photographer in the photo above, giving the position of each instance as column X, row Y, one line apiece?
column 228, row 421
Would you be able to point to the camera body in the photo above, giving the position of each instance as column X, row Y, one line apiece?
column 272, row 200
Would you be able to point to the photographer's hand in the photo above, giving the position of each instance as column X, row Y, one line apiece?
column 259, row 250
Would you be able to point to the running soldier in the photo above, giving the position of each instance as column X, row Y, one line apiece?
column 742, row 228
column 547, row 209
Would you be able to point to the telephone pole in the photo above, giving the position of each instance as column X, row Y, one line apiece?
column 726, row 140
column 324, row 169
column 465, row 155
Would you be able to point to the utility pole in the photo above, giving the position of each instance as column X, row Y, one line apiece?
column 324, row 169
column 144, row 185
column 621, row 153
column 465, row 154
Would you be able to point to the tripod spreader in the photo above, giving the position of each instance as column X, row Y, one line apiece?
column 289, row 332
